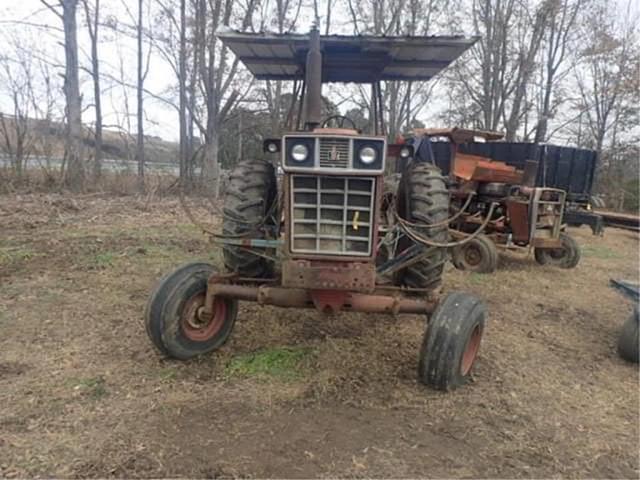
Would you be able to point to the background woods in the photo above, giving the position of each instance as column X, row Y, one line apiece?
column 88, row 85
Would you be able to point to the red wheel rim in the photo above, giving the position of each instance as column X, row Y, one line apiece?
column 471, row 350
column 197, row 329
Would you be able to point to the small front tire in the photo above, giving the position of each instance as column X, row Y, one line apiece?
column 171, row 314
column 568, row 256
column 452, row 341
column 629, row 339
column 477, row 255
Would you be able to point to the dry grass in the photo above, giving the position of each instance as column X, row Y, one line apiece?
column 83, row 393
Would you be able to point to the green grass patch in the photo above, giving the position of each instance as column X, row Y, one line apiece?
column 168, row 374
column 103, row 260
column 476, row 278
column 284, row 363
column 16, row 254
column 598, row 251
column 93, row 387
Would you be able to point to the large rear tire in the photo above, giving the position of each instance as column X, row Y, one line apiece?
column 423, row 199
column 250, row 212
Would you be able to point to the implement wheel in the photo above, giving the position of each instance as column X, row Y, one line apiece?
column 568, row 256
column 423, row 199
column 452, row 341
column 629, row 339
column 250, row 211
column 477, row 255
column 173, row 314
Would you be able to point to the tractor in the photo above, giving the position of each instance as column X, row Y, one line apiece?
column 496, row 205
column 329, row 234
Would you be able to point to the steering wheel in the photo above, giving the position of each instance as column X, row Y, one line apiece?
column 338, row 121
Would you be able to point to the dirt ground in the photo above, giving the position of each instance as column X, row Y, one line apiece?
column 84, row 394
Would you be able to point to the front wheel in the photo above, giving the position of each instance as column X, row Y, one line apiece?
column 172, row 317
column 566, row 256
column 478, row 255
column 452, row 341
column 629, row 339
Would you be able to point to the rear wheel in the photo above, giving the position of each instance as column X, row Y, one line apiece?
column 477, row 255
column 250, row 212
column 567, row 256
column 452, row 341
column 172, row 317
column 423, row 199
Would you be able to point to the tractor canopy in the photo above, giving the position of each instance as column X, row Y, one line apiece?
column 346, row 58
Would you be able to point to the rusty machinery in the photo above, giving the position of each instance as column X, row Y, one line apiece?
column 330, row 237
column 513, row 212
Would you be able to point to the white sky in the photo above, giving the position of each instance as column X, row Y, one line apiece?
column 161, row 120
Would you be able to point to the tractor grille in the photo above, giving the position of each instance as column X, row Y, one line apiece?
column 332, row 215
column 334, row 152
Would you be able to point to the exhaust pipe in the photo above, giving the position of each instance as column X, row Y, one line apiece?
column 313, row 80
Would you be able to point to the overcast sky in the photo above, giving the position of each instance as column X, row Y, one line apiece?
column 161, row 120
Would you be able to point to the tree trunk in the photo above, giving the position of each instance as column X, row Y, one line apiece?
column 93, row 23
column 182, row 80
column 140, row 113
column 75, row 174
column 211, row 167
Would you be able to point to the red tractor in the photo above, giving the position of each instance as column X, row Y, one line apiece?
column 331, row 237
column 496, row 205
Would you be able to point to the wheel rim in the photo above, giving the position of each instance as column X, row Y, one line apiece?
column 557, row 253
column 472, row 256
column 471, row 351
column 196, row 329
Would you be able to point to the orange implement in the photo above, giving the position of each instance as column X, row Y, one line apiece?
column 480, row 169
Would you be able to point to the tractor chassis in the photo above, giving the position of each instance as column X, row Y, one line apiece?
column 382, row 300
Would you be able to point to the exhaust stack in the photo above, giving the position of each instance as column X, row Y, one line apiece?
column 313, row 80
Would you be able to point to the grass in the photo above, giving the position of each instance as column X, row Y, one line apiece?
column 16, row 254
column 104, row 259
column 92, row 387
column 284, row 363
column 598, row 251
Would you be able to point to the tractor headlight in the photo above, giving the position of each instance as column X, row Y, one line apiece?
column 367, row 155
column 405, row 152
column 299, row 152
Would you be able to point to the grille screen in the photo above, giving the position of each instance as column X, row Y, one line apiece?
column 332, row 215
column 334, row 152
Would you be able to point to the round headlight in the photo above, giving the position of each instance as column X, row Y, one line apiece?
column 299, row 152
column 405, row 152
column 272, row 147
column 367, row 155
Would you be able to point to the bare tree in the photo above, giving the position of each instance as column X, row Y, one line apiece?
column 555, row 53
column 140, row 100
column 93, row 24
column 217, row 76
column 16, row 129
column 402, row 100
column 75, row 172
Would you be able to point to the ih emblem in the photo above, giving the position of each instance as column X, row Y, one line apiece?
column 335, row 155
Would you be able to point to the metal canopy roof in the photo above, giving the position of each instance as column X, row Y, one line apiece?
column 359, row 59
